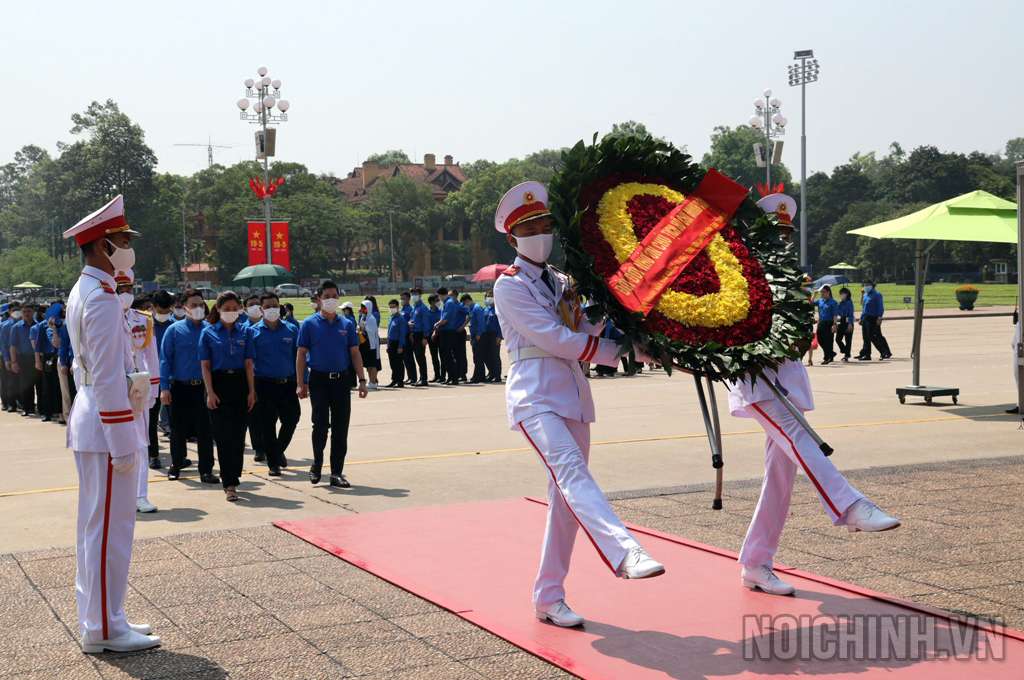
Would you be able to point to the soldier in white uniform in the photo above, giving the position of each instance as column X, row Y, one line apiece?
column 106, row 435
column 788, row 446
column 549, row 401
column 145, row 358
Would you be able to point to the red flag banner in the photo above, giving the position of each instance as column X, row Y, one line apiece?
column 279, row 244
column 257, row 245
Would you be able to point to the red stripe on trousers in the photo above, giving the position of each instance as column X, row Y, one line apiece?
column 103, row 549
column 555, row 481
column 802, row 463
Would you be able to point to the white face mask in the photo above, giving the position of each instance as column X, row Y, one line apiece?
column 254, row 311
column 126, row 300
column 329, row 305
column 488, row 301
column 536, row 248
column 196, row 313
column 179, row 312
column 394, row 311
column 122, row 259
column 414, row 299
column 16, row 314
column 161, row 318
column 272, row 314
column 315, row 306
column 228, row 317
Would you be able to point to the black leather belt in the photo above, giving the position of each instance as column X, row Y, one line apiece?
column 276, row 381
column 230, row 371
column 186, row 382
column 329, row 376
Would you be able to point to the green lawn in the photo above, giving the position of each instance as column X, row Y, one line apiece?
column 939, row 295
column 302, row 308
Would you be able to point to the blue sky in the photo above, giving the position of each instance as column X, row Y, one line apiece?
column 497, row 79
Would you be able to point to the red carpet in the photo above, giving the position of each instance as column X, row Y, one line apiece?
column 478, row 560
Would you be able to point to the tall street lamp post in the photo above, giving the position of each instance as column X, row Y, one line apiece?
column 260, row 90
column 769, row 120
column 801, row 74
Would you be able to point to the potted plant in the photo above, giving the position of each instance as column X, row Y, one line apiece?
column 966, row 296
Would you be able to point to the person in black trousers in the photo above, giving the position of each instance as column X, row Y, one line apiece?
column 408, row 357
column 872, row 309
column 828, row 318
column 330, row 343
column 461, row 341
column 181, row 388
column 419, row 325
column 433, row 342
column 226, row 359
column 23, row 359
column 274, row 343
column 844, row 329
column 396, row 344
column 446, row 329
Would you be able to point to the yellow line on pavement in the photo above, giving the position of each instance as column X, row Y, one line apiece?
column 636, row 440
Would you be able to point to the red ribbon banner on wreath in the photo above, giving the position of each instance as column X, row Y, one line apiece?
column 675, row 241
column 257, row 246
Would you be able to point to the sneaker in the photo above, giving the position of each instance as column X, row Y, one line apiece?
column 371, row 386
column 638, row 564
column 764, row 578
column 865, row 516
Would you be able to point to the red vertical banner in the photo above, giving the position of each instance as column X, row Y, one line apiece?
column 257, row 243
column 279, row 244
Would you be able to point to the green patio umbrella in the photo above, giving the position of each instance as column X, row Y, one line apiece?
column 843, row 265
column 977, row 216
column 28, row 284
column 262, row 276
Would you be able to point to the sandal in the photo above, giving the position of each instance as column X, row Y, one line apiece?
column 230, row 495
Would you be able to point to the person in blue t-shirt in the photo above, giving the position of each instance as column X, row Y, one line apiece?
column 475, row 316
column 8, row 380
column 872, row 307
column 47, row 336
column 274, row 343
column 828, row 321
column 461, row 336
column 408, row 356
column 446, row 328
column 331, row 343
column 23, row 358
column 253, row 314
column 398, row 328
column 844, row 329
column 226, row 360
column 420, row 326
column 491, row 339
column 433, row 338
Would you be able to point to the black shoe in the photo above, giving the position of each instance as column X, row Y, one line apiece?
column 283, row 461
column 192, row 440
column 340, row 482
column 410, row 381
column 422, row 383
column 314, row 475
column 47, row 419
column 172, row 472
column 186, row 463
column 826, row 362
column 863, row 358
column 274, row 471
column 887, row 355
column 435, row 379
column 260, row 457
column 1015, row 409
column 154, row 464
column 25, row 413
column 209, row 478
column 400, row 385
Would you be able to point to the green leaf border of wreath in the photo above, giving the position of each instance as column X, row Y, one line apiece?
column 792, row 316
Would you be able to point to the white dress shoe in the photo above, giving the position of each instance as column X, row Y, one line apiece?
column 129, row 642
column 558, row 614
column 638, row 564
column 143, row 505
column 141, row 628
column 865, row 516
column 764, row 578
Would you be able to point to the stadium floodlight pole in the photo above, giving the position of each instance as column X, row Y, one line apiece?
column 261, row 115
column 801, row 74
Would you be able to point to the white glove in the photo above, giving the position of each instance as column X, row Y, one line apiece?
column 125, row 464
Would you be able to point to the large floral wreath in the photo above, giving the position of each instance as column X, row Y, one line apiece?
column 738, row 304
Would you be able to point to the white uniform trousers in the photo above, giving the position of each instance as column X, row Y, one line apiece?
column 788, row 447
column 574, row 499
column 143, row 463
column 106, row 527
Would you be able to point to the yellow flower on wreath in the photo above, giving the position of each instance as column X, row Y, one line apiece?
column 728, row 306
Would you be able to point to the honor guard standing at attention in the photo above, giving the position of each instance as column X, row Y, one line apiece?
column 145, row 358
column 106, row 433
column 549, row 401
column 789, row 446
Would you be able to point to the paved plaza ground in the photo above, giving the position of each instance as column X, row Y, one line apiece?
column 233, row 596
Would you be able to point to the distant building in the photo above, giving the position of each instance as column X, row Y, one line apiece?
column 442, row 179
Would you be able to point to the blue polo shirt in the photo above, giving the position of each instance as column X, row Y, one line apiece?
column 461, row 314
column 45, row 341
column 435, row 316
column 328, row 342
column 477, row 322
column 421, row 318
column 226, row 350
column 273, row 349
column 846, row 311
column 491, row 320
column 5, row 338
column 398, row 328
column 179, row 353
column 65, row 353
column 20, row 338
column 407, row 314
column 828, row 309
column 450, row 315
column 871, row 304
column 158, row 332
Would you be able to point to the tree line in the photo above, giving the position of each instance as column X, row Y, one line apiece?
column 42, row 195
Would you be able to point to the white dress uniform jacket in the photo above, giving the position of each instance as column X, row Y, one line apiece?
column 529, row 317
column 101, row 417
column 144, row 349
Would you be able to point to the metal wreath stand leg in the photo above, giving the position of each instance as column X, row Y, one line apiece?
column 795, row 412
